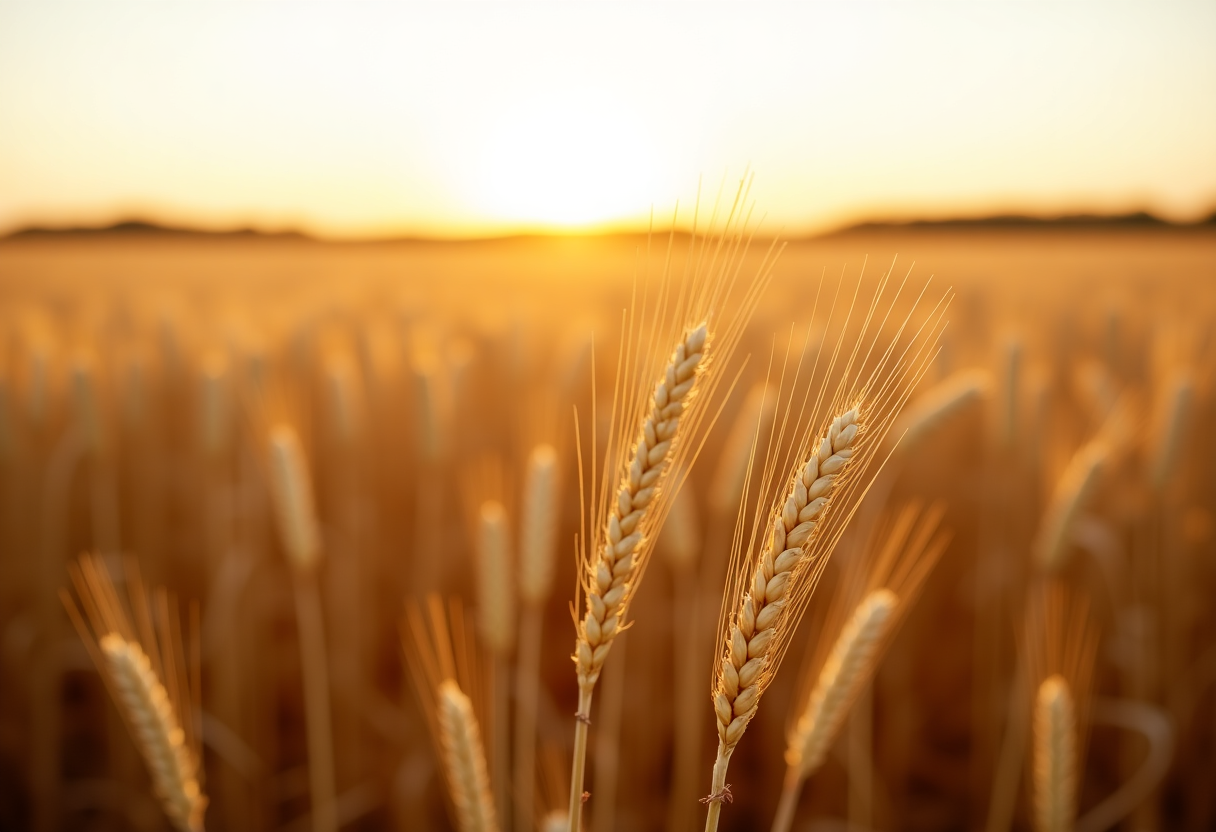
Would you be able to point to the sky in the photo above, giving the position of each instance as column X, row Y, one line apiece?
column 452, row 119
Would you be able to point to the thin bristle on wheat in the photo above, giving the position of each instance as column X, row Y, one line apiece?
column 538, row 532
column 495, row 598
column 848, row 667
column 1055, row 757
column 611, row 576
column 291, row 491
column 154, row 723
column 744, row 670
column 465, row 760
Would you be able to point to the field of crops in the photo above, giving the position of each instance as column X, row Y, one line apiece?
column 354, row 469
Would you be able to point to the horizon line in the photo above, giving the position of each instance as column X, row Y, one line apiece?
column 138, row 226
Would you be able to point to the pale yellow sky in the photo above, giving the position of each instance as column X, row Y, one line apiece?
column 359, row 119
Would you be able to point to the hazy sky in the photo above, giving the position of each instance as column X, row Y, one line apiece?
column 356, row 119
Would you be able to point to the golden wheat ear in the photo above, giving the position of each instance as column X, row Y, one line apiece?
column 443, row 667
column 137, row 648
column 817, row 467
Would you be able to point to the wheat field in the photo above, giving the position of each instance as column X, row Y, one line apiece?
column 353, row 500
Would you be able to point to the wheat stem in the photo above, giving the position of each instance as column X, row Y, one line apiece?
column 719, row 791
column 319, row 731
column 579, row 766
column 527, row 692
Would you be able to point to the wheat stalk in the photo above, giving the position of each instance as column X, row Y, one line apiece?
column 340, row 395
column 88, row 406
column 1072, row 494
column 213, row 405
column 291, row 490
column 1055, row 757
column 538, row 532
column 151, row 692
column 1173, row 412
column 772, row 582
column 465, row 760
column 1011, row 388
column 744, row 668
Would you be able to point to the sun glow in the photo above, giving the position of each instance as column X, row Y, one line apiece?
column 565, row 161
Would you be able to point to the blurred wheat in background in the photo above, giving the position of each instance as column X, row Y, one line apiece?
column 401, row 488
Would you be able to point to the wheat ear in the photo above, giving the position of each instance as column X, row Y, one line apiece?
column 846, row 670
column 1055, row 757
column 152, row 692
column 744, row 668
column 444, row 662
column 465, row 760
column 611, row 576
column 160, row 738
column 1072, row 494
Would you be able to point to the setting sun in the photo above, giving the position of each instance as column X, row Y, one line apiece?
column 565, row 161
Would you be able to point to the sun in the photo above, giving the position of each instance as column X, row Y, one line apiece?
column 565, row 161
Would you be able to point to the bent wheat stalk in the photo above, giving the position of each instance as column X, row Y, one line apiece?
column 291, row 491
column 673, row 355
column 1072, row 494
column 538, row 532
column 753, row 630
column 152, row 692
column 807, row 512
